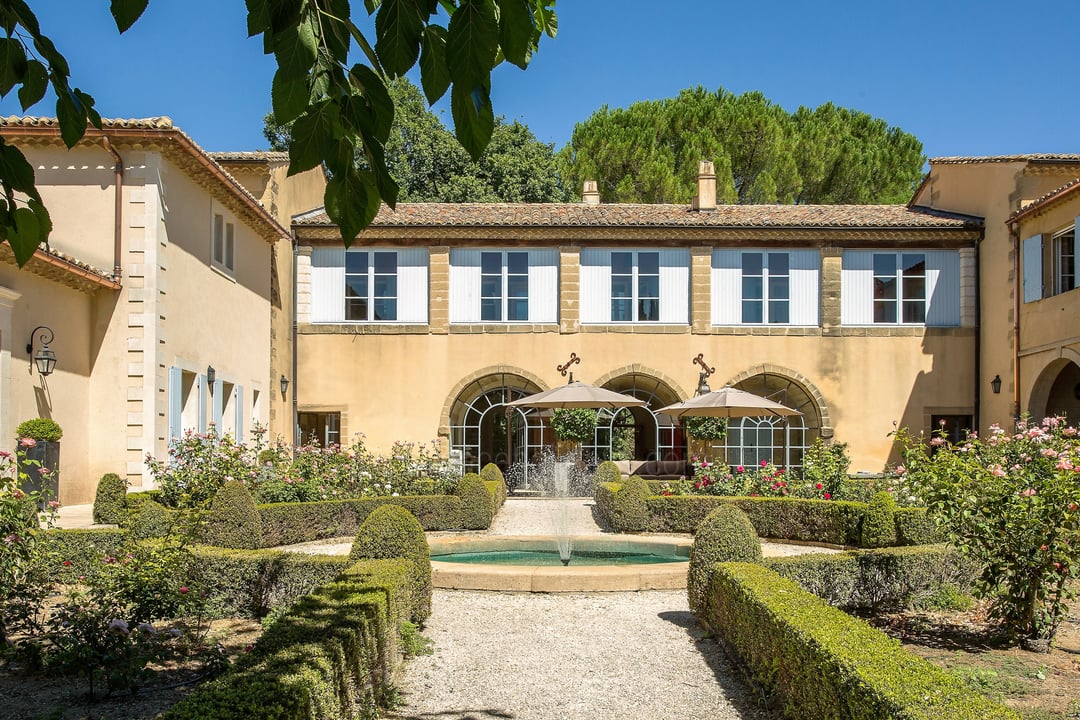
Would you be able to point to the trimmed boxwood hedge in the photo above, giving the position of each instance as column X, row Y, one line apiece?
column 233, row 520
column 332, row 655
column 110, row 499
column 629, row 509
column 477, row 505
column 836, row 522
column 392, row 532
column 725, row 535
column 890, row 577
column 82, row 548
column 822, row 663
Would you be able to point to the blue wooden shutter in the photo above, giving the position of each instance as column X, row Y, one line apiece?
column 1033, row 274
column 202, row 390
column 176, row 385
column 219, row 389
column 239, row 407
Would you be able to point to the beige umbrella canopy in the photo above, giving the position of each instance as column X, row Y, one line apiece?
column 577, row 395
column 728, row 402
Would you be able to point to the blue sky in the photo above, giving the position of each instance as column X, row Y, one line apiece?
column 965, row 77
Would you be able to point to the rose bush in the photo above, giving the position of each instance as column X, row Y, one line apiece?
column 1011, row 503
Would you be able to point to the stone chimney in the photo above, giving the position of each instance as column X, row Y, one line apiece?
column 591, row 196
column 706, row 187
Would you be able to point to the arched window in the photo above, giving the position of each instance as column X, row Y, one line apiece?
column 751, row 440
column 478, row 432
column 638, row 433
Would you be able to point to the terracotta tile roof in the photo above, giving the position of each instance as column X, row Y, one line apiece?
column 635, row 215
column 190, row 156
column 977, row 159
column 63, row 268
column 250, row 156
column 1069, row 188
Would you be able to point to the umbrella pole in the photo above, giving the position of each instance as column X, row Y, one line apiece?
column 509, row 440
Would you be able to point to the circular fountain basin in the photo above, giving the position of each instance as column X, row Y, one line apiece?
column 628, row 564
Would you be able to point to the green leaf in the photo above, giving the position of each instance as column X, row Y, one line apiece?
column 52, row 57
column 258, row 19
column 546, row 20
column 126, row 12
column 387, row 186
column 472, row 41
column 71, row 116
column 87, row 103
column 517, row 29
column 351, row 202
column 12, row 64
column 16, row 171
column 474, row 119
column 24, row 234
column 296, row 49
column 382, row 107
column 398, row 29
column 314, row 136
column 35, row 82
column 434, row 75
column 289, row 96
column 284, row 14
column 335, row 26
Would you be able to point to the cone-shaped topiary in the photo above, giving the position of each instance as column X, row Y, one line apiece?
column 391, row 531
column 630, row 507
column 496, row 483
column 233, row 520
column 477, row 507
column 110, row 500
column 725, row 535
column 879, row 522
column 607, row 471
column 491, row 471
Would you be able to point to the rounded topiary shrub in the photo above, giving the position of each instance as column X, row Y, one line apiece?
column 630, row 507
column 153, row 520
column 233, row 520
column 391, row 531
column 725, row 535
column 39, row 429
column 879, row 522
column 491, row 471
column 607, row 471
column 476, row 503
column 110, row 499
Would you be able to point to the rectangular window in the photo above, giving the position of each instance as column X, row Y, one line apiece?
column 899, row 288
column 955, row 427
column 371, row 292
column 223, row 244
column 321, row 427
column 504, row 286
column 635, row 286
column 766, row 287
column 1064, row 248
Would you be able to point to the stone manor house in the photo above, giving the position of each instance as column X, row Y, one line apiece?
column 182, row 288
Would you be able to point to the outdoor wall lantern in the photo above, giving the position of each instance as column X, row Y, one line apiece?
column 45, row 359
column 703, row 376
column 284, row 384
column 211, row 375
column 995, row 384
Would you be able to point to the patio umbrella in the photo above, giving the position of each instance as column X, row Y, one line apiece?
column 729, row 402
column 577, row 395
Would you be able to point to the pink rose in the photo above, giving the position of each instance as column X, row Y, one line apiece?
column 27, row 442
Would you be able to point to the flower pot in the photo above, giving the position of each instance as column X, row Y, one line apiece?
column 44, row 455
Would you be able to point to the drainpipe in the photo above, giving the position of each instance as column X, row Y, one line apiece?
column 978, row 337
column 1014, row 233
column 118, row 211
column 295, row 378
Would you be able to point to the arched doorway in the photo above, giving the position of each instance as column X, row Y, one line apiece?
column 638, row 433
column 478, row 418
column 751, row 440
column 1057, row 391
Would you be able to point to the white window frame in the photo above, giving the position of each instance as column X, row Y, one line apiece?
column 902, row 297
column 504, row 277
column 636, row 297
column 766, row 300
column 370, row 277
column 223, row 243
column 1063, row 252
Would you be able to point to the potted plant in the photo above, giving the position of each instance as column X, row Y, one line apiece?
column 702, row 431
column 573, row 426
column 39, row 442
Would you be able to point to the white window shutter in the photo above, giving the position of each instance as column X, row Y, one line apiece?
column 239, row 407
column 328, row 285
column 804, row 267
column 594, row 292
column 464, row 286
column 412, row 285
column 1033, row 273
column 943, row 288
column 544, row 286
column 176, row 389
column 857, row 288
column 675, row 287
column 726, row 295
column 201, row 389
column 218, row 404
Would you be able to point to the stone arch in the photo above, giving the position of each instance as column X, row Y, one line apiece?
column 811, row 389
column 1042, row 391
column 455, row 392
column 639, row 369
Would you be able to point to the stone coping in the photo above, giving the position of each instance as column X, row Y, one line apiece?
column 536, row 578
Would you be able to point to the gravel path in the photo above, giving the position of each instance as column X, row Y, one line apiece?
column 601, row 656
